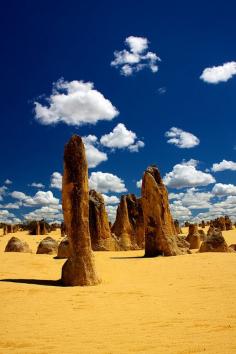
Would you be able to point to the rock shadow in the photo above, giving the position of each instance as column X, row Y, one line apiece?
column 34, row 281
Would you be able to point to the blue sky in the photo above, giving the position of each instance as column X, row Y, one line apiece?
column 72, row 45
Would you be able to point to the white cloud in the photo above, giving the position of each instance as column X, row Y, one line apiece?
column 135, row 147
column 2, row 192
column 5, row 216
column 18, row 195
column 180, row 212
column 75, row 103
column 40, row 198
column 47, row 213
column 37, row 185
column 136, row 58
column 220, row 73
column 181, row 139
column 121, row 138
column 94, row 156
column 193, row 199
column 224, row 165
column 220, row 189
column 111, row 211
column 11, row 205
column 185, row 174
column 56, row 180
column 110, row 199
column 106, row 182
column 8, row 181
column 139, row 183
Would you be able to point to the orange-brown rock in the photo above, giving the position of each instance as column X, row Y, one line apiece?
column 228, row 223
column 219, row 223
column 193, row 237
column 100, row 232
column 203, row 224
column 63, row 229
column 215, row 243
column 64, row 250
column 79, row 269
column 160, row 234
column 177, row 227
column 16, row 245
column 128, row 226
column 47, row 246
column 4, row 229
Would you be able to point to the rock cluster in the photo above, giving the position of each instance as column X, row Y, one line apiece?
column 128, row 226
column 214, row 242
column 79, row 269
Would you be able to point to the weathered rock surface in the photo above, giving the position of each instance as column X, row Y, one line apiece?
column 64, row 250
column 160, row 234
column 193, row 237
column 100, row 232
column 47, row 246
column 202, row 235
column 16, row 245
column 214, row 243
column 177, row 227
column 79, row 269
column 128, row 226
column 63, row 229
column 228, row 223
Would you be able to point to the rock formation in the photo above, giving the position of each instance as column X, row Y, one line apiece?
column 177, row 227
column 160, row 234
column 63, row 229
column 64, row 250
column 202, row 235
column 100, row 232
column 128, row 226
column 47, row 246
column 79, row 269
column 228, row 223
column 219, row 223
column 215, row 242
column 203, row 224
column 16, row 245
column 193, row 237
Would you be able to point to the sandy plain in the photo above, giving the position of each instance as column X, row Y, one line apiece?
column 173, row 305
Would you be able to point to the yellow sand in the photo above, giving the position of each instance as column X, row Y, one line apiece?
column 184, row 304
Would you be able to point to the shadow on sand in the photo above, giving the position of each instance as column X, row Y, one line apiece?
column 127, row 257
column 34, row 281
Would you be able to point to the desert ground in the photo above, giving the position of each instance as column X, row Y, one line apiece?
column 184, row 304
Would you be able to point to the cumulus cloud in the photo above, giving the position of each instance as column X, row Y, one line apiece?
column 11, row 205
column 40, row 198
column 8, row 181
column 37, row 185
column 56, row 180
column 121, row 138
column 106, row 182
column 94, row 156
column 74, row 103
column 111, row 211
column 181, row 139
column 180, row 212
column 193, row 198
column 112, row 199
column 18, row 195
column 221, row 189
column 224, row 165
column 47, row 213
column 136, row 57
column 6, row 216
column 185, row 174
column 221, row 73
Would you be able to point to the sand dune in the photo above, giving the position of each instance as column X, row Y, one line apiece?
column 183, row 305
